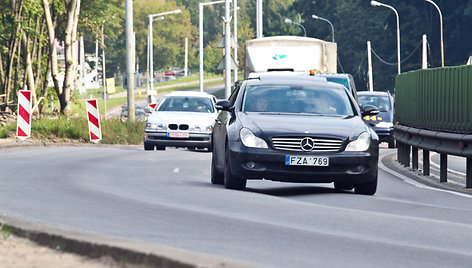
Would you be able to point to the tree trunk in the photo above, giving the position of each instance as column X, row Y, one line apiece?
column 29, row 70
column 53, row 53
column 11, row 52
column 71, row 64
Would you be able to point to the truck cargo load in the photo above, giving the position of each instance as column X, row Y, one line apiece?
column 290, row 53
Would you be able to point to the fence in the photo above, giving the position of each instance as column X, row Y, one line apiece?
column 434, row 112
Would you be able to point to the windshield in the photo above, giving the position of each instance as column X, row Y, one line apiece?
column 296, row 99
column 186, row 104
column 381, row 102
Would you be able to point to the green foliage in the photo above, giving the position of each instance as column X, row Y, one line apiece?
column 212, row 57
column 7, row 129
column 113, row 130
column 60, row 127
column 116, row 132
column 6, row 231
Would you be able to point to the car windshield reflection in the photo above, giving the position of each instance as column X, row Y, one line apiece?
column 186, row 104
column 381, row 102
column 296, row 99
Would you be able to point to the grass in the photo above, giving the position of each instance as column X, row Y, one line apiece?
column 76, row 128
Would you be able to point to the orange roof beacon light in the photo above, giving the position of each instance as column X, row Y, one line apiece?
column 312, row 72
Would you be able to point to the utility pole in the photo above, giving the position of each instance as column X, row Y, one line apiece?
column 369, row 64
column 227, row 50
column 424, row 64
column 130, row 58
column 235, row 29
column 104, row 74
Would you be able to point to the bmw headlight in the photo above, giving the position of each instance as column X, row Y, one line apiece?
column 384, row 125
column 250, row 140
column 154, row 126
column 360, row 144
column 205, row 129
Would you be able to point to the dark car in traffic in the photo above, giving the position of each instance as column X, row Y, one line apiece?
column 294, row 128
column 382, row 123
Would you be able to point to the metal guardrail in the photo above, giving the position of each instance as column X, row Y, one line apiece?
column 410, row 139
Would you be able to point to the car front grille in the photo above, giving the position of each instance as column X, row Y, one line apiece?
column 181, row 127
column 321, row 144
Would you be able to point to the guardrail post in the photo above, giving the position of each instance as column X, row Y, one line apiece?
column 399, row 152
column 443, row 168
column 414, row 156
column 407, row 155
column 468, row 176
column 425, row 162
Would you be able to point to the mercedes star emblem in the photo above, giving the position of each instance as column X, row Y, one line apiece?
column 307, row 144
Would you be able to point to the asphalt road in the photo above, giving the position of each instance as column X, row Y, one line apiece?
column 166, row 198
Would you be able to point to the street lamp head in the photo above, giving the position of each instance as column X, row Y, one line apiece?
column 159, row 18
column 375, row 3
column 287, row 20
column 315, row 17
column 177, row 11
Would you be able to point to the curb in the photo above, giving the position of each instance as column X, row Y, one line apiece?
column 392, row 166
column 125, row 253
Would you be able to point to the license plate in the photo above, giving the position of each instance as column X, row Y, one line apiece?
column 317, row 161
column 178, row 135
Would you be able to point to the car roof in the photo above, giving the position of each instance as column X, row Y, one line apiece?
column 340, row 75
column 373, row 93
column 291, row 78
column 189, row 94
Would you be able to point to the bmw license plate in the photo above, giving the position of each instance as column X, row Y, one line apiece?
column 317, row 161
column 180, row 135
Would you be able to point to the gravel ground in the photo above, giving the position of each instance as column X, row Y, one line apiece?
column 19, row 252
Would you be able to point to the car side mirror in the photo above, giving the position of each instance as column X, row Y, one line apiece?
column 148, row 109
column 369, row 110
column 223, row 105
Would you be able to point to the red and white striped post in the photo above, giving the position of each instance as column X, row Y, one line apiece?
column 93, row 120
column 23, row 128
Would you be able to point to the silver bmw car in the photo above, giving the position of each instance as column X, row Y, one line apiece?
column 181, row 119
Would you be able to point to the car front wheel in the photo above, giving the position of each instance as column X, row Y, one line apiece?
column 231, row 181
column 368, row 188
column 217, row 177
column 148, row 146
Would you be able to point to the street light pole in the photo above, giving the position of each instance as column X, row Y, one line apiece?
column 441, row 25
column 235, row 35
column 129, row 58
column 227, row 50
column 375, row 3
column 200, row 34
column 323, row 19
column 289, row 21
column 151, row 58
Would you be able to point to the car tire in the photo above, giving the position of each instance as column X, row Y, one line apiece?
column 160, row 147
column 391, row 143
column 148, row 146
column 231, row 181
column 342, row 186
column 217, row 177
column 368, row 188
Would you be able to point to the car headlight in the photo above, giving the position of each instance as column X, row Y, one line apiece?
column 360, row 144
column 151, row 126
column 250, row 140
column 203, row 128
column 384, row 124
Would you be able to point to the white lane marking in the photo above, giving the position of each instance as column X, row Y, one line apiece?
column 176, row 170
column 418, row 184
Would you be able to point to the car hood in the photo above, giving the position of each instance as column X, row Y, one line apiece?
column 296, row 124
column 205, row 119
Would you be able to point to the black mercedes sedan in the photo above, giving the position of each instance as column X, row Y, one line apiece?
column 294, row 128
